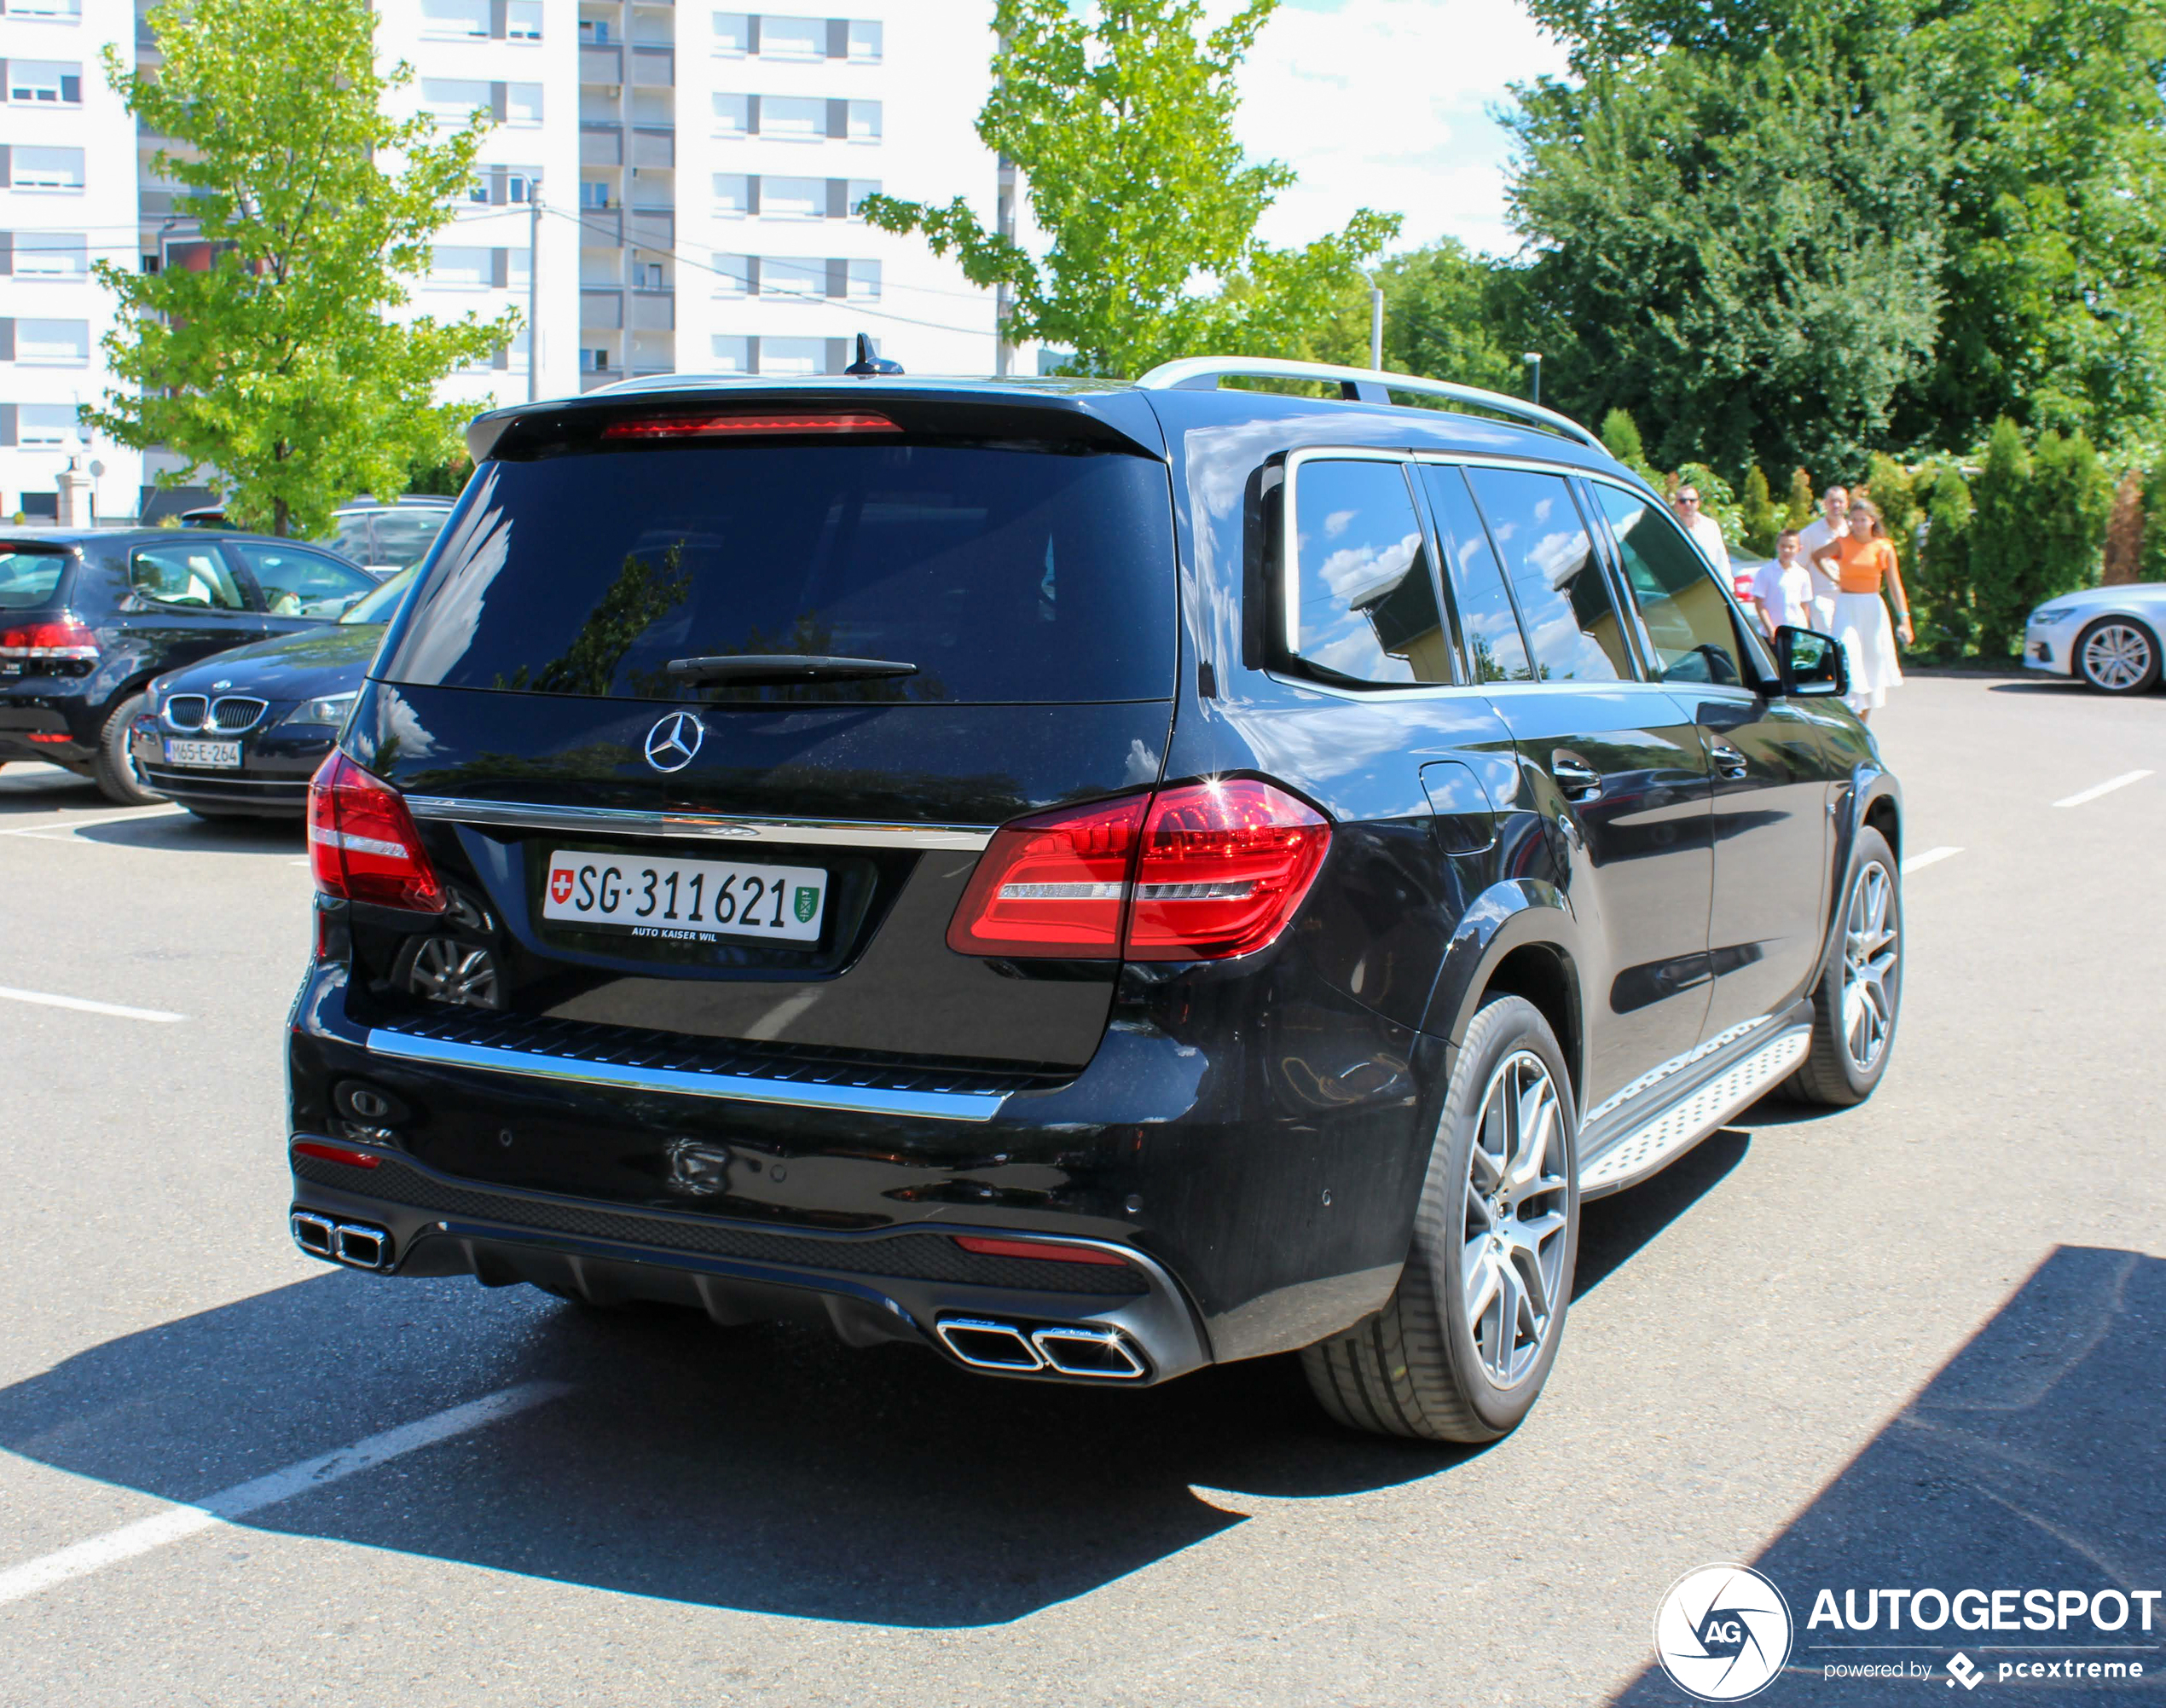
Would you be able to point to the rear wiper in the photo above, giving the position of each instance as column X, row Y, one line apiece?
column 785, row 667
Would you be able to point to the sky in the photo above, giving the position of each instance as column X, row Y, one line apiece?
column 1387, row 104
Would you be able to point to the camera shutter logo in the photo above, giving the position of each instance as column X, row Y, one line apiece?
column 672, row 743
column 1723, row 1633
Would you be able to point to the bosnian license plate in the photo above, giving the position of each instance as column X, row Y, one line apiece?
column 684, row 900
column 224, row 755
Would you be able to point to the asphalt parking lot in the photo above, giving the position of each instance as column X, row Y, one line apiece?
column 1923, row 1341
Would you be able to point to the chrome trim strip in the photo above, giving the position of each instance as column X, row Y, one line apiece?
column 405, row 1046
column 1649, row 1147
column 1675, row 1064
column 698, row 826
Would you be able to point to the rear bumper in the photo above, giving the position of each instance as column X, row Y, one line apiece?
column 59, row 730
column 904, row 1284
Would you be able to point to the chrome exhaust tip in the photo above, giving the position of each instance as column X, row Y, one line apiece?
column 315, row 1234
column 359, row 1246
column 988, row 1345
column 1103, row 1353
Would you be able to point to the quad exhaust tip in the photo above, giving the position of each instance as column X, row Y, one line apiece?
column 356, row 1244
column 1102, row 1354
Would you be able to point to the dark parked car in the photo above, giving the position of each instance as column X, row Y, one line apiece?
column 88, row 618
column 1095, row 878
column 241, row 734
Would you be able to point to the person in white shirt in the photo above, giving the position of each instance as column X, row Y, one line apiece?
column 1782, row 590
column 1822, row 531
column 1704, row 529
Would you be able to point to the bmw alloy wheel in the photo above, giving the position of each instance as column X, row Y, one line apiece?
column 1870, row 946
column 2116, row 656
column 1515, row 1218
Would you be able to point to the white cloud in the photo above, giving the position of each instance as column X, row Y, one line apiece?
column 1385, row 104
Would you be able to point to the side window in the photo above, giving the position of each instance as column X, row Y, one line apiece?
column 298, row 583
column 1688, row 619
column 404, row 537
column 349, row 538
column 1364, row 600
column 1571, row 627
column 192, row 576
column 1487, row 619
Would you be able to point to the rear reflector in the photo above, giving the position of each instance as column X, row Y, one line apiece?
column 363, row 845
column 1202, row 870
column 1046, row 1251
column 772, row 424
column 334, row 1153
column 41, row 735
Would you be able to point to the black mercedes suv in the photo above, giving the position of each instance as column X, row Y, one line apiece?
column 1094, row 878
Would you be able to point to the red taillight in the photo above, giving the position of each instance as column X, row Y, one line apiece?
column 335, row 1153
column 65, row 639
column 1200, row 872
column 1046, row 1251
column 1051, row 885
column 772, row 424
column 363, row 844
column 1223, row 866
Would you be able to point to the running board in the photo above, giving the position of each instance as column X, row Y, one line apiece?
column 1656, row 1142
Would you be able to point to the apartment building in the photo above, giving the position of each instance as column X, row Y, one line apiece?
column 666, row 187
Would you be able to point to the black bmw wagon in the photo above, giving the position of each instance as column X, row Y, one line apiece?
column 1093, row 878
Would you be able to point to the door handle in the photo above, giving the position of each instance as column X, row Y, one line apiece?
column 1578, row 781
column 1729, row 762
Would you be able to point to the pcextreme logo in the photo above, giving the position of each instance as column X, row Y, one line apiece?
column 1723, row 1633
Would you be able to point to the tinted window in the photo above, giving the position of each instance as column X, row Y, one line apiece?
column 29, row 579
column 350, row 539
column 1367, row 602
column 1571, row 627
column 404, row 537
column 302, row 583
column 1686, row 617
column 1002, row 575
column 194, row 575
column 1487, row 619
column 381, row 605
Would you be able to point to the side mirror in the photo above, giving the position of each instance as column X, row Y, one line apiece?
column 1811, row 663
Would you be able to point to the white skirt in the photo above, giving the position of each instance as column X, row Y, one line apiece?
column 1867, row 637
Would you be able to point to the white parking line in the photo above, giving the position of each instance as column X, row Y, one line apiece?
column 2106, row 788
column 1931, row 857
column 51, row 829
column 228, row 1505
column 46, row 1000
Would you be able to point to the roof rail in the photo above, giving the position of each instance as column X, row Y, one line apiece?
column 1356, row 385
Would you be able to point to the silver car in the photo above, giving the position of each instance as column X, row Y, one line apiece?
column 2107, row 637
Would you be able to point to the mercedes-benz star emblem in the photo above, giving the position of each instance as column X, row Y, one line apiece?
column 672, row 743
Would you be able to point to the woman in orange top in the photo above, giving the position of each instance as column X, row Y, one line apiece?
column 1861, row 563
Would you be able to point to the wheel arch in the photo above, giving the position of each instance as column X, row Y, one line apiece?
column 1516, row 940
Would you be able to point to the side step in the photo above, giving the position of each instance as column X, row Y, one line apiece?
column 1656, row 1141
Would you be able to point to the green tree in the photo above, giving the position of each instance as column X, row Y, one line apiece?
column 2154, row 559
column 1798, row 508
column 2071, row 499
column 1757, row 521
column 2002, row 552
column 1621, row 434
column 1445, row 317
column 1940, row 590
column 278, row 373
column 1120, row 118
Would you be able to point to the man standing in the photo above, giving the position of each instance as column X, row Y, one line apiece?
column 1703, row 529
column 1823, row 530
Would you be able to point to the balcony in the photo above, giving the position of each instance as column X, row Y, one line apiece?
column 654, row 145
column 654, row 67
column 600, row 310
column 601, row 64
column 601, row 227
column 600, row 145
column 653, row 228
column 654, row 310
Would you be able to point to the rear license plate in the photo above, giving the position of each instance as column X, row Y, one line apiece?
column 224, row 756
column 684, row 900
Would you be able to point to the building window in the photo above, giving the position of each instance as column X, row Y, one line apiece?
column 734, row 275
column 593, row 362
column 45, row 254
column 501, row 185
column 453, row 100
column 733, row 195
column 460, row 269
column 792, row 38
column 731, row 355
column 44, row 426
column 788, row 356
column 55, row 344
column 854, row 194
column 792, row 198
column 68, row 11
column 593, row 194
column 521, row 103
column 55, row 81
column 864, row 121
column 468, row 18
column 732, row 33
column 863, row 280
column 41, row 169
column 792, row 118
column 733, row 115
column 787, row 276
column 864, row 41
column 523, row 20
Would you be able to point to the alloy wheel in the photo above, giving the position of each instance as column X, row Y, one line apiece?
column 1870, row 950
column 446, row 969
column 2117, row 655
column 1515, row 1218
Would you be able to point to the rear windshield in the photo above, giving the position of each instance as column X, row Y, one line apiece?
column 1003, row 574
column 28, row 579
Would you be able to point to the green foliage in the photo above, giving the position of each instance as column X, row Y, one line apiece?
column 276, row 373
column 1758, row 523
column 2071, row 502
column 441, row 477
column 2152, row 564
column 1803, row 502
column 1120, row 118
column 1444, row 315
column 1621, row 433
column 1889, row 484
column 2001, row 549
column 2037, row 527
column 1940, row 588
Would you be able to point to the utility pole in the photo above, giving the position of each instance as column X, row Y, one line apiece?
column 533, row 288
column 1376, row 322
column 1532, row 358
column 1004, row 220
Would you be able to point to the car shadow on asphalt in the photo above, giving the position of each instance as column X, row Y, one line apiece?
column 2032, row 1459
column 761, row 1468
column 186, row 833
column 1613, row 1230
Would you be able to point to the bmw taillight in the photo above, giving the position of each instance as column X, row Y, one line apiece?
column 363, row 845
column 1202, row 870
column 64, row 639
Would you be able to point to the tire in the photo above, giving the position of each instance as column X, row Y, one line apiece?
column 114, row 769
column 1832, row 1075
column 2116, row 655
column 1417, row 1368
